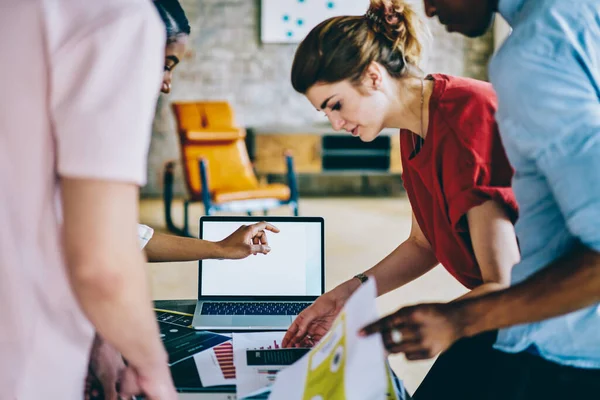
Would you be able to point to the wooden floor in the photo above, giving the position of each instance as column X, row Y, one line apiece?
column 359, row 232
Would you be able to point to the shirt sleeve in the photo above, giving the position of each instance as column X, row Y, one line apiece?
column 105, row 81
column 561, row 126
column 474, row 187
column 145, row 233
column 475, row 168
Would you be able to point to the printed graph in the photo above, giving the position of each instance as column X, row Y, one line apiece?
column 224, row 354
column 274, row 346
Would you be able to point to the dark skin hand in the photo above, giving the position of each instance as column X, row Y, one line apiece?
column 245, row 241
column 568, row 284
column 426, row 330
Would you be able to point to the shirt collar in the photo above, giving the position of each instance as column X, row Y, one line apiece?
column 509, row 9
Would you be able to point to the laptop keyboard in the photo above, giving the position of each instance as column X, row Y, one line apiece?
column 259, row 308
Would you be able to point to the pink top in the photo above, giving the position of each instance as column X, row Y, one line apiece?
column 79, row 85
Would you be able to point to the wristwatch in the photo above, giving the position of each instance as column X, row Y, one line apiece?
column 361, row 277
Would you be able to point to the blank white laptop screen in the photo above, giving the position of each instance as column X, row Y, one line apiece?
column 292, row 268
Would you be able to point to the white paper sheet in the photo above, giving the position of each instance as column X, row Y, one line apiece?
column 249, row 379
column 343, row 366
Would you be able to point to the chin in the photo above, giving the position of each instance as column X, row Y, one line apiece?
column 474, row 33
column 477, row 30
column 368, row 136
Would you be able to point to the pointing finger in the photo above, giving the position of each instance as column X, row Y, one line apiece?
column 261, row 226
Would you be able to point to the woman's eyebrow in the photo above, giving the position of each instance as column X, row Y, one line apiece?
column 324, row 104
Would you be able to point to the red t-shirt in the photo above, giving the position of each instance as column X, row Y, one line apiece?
column 461, row 164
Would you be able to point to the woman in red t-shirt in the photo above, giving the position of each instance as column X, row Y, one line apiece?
column 362, row 72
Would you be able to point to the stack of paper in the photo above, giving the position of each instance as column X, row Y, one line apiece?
column 226, row 364
column 252, row 378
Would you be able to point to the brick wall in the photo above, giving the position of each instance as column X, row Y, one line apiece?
column 227, row 61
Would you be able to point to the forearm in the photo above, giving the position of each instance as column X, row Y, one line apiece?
column 106, row 268
column 115, row 299
column 567, row 285
column 406, row 263
column 486, row 288
column 166, row 248
column 495, row 247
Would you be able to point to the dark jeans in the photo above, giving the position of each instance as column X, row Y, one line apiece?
column 473, row 370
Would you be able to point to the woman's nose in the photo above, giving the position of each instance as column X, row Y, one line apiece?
column 336, row 123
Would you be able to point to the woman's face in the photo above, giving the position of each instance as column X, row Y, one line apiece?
column 359, row 110
column 173, row 54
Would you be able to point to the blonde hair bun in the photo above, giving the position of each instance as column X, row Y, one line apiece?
column 400, row 24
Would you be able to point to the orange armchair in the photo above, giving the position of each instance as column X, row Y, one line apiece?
column 217, row 168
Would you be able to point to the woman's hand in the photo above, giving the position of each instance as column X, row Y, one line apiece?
column 314, row 322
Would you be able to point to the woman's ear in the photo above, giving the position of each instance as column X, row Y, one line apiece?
column 373, row 76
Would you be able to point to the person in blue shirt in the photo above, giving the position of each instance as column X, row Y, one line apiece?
column 540, row 338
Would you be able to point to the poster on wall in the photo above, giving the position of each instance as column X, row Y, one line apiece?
column 289, row 21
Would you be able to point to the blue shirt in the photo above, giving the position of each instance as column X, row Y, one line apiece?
column 547, row 76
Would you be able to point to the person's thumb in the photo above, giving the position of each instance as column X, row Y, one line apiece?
column 260, row 249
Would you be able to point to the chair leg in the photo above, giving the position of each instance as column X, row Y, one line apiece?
column 168, row 198
column 206, row 199
column 186, row 224
column 292, row 182
column 168, row 195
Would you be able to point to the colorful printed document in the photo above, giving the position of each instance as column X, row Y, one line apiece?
column 250, row 378
column 342, row 366
column 215, row 366
column 181, row 341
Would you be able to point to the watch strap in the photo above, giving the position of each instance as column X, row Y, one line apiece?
column 361, row 277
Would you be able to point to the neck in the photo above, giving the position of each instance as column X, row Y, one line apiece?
column 405, row 110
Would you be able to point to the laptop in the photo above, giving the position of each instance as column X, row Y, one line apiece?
column 261, row 292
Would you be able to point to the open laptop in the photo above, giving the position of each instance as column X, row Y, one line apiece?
column 262, row 292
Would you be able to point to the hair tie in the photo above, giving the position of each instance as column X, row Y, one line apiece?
column 371, row 15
